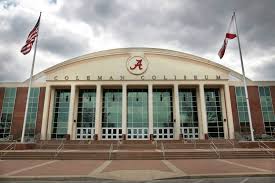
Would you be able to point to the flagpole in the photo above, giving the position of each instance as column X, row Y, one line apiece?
column 29, row 88
column 244, row 82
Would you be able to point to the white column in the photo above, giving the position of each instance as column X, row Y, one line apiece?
column 224, row 118
column 177, row 112
column 229, row 112
column 98, row 112
column 201, row 135
column 45, row 113
column 75, row 114
column 150, row 110
column 203, row 111
column 71, row 111
column 50, row 118
column 124, row 110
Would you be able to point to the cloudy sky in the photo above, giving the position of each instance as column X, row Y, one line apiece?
column 73, row 28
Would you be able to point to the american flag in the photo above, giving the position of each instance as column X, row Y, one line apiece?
column 31, row 38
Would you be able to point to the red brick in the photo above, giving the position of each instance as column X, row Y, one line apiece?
column 234, row 109
column 40, row 110
column 256, row 112
column 19, row 112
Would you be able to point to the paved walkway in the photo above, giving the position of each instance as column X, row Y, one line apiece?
column 137, row 170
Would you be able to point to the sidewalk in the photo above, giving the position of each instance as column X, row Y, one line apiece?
column 138, row 170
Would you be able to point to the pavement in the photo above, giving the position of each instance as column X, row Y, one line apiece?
column 191, row 170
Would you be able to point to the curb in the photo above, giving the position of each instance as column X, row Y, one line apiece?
column 89, row 178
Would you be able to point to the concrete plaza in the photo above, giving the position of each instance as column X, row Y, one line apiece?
column 133, row 170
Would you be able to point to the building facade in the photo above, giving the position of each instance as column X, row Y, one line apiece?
column 136, row 94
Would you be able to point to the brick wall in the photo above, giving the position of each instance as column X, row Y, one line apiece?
column 19, row 112
column 234, row 108
column 256, row 113
column 2, row 92
column 40, row 110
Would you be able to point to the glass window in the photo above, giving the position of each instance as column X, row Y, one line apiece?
column 86, row 108
column 214, row 113
column 32, row 113
column 137, row 115
column 188, row 108
column 162, row 108
column 7, row 112
column 242, row 110
column 61, row 113
column 267, row 109
column 112, row 108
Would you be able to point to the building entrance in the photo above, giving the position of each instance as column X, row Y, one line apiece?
column 112, row 114
column 85, row 128
column 188, row 113
column 214, row 112
column 137, row 114
column 163, row 113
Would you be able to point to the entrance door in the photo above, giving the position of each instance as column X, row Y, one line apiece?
column 112, row 114
column 86, row 114
column 137, row 114
column 214, row 112
column 188, row 113
column 163, row 113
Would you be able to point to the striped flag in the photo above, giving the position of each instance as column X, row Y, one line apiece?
column 228, row 35
column 31, row 38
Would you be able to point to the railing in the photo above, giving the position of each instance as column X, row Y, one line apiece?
column 156, row 143
column 231, row 142
column 110, row 151
column 6, row 150
column 37, row 137
column 59, row 149
column 118, row 144
column 194, row 142
column 163, row 150
column 215, row 148
column 266, row 148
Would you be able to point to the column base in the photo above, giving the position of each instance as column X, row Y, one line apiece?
column 95, row 137
column 123, row 136
column 151, row 137
column 181, row 136
column 68, row 137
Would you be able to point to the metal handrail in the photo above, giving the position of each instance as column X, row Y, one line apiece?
column 230, row 142
column 194, row 142
column 9, row 147
column 59, row 148
column 110, row 151
column 215, row 148
column 118, row 144
column 163, row 150
column 266, row 148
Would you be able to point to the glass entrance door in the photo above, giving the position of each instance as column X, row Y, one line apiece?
column 137, row 114
column 86, row 114
column 214, row 112
column 112, row 114
column 188, row 113
column 163, row 114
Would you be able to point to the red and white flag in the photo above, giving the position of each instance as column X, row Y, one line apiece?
column 31, row 38
column 228, row 35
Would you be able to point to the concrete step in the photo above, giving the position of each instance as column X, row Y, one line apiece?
column 134, row 155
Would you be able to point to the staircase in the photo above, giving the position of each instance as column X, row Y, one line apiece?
column 136, row 150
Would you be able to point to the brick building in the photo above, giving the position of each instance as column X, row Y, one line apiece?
column 136, row 93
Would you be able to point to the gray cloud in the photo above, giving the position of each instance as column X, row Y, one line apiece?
column 11, row 69
column 197, row 27
column 62, row 43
